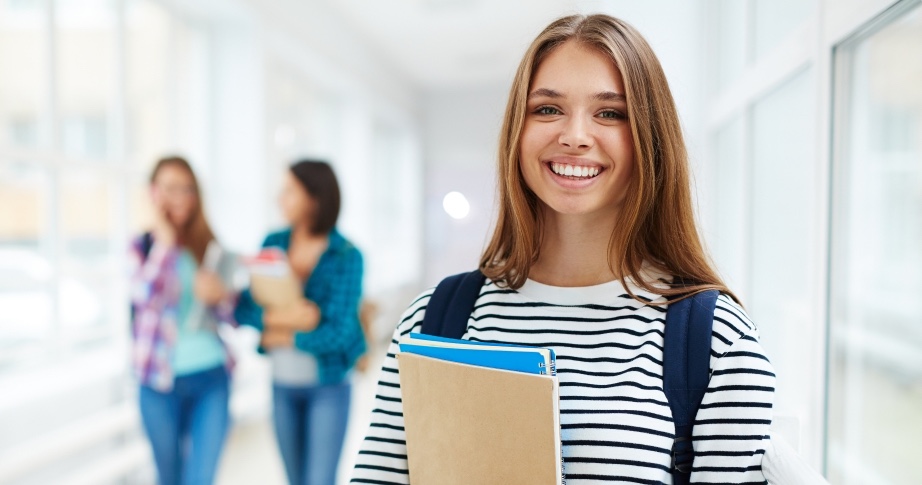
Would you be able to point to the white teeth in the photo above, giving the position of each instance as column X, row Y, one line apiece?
column 574, row 171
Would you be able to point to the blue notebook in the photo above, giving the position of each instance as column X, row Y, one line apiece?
column 517, row 358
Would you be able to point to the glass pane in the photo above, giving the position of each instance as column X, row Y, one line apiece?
column 25, row 268
column 140, row 212
column 23, row 51
column 776, row 19
column 783, row 185
column 875, row 400
column 85, row 43
column 147, row 42
column 731, row 41
column 729, row 245
column 85, row 205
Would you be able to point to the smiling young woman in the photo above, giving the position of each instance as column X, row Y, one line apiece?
column 595, row 238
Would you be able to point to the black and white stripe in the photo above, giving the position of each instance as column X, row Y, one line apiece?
column 615, row 423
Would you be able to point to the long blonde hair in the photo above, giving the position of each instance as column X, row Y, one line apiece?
column 657, row 222
column 196, row 233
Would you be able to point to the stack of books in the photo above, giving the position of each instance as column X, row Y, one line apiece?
column 271, row 280
column 479, row 413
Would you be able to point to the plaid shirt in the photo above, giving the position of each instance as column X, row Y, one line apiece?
column 335, row 286
column 155, row 291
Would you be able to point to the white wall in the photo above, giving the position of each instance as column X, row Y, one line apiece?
column 461, row 133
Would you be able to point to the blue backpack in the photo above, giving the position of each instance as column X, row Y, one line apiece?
column 686, row 353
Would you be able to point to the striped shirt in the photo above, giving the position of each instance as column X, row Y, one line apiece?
column 616, row 425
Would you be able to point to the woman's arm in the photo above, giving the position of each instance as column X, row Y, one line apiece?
column 339, row 326
column 247, row 312
column 731, row 429
column 383, row 455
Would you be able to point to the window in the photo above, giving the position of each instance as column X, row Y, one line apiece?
column 23, row 51
column 26, row 270
column 85, row 78
column 875, row 354
column 77, row 189
column 775, row 20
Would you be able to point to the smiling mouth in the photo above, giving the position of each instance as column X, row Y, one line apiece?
column 574, row 172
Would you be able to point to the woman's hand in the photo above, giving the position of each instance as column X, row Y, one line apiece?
column 301, row 316
column 163, row 231
column 274, row 338
column 208, row 287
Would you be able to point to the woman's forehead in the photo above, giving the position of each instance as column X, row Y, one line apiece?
column 577, row 70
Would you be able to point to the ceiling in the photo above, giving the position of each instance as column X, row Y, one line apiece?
column 462, row 43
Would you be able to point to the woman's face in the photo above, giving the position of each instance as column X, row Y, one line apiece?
column 173, row 194
column 296, row 204
column 576, row 152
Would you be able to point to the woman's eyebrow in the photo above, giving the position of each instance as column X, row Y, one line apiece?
column 549, row 93
column 608, row 96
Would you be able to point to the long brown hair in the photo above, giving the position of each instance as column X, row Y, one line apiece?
column 196, row 233
column 657, row 223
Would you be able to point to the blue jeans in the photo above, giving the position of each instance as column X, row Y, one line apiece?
column 187, row 426
column 310, row 424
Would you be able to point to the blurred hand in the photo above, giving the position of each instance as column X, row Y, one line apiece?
column 302, row 316
column 163, row 231
column 275, row 338
column 208, row 288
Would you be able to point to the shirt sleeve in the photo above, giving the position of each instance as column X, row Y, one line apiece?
column 731, row 430
column 383, row 456
column 339, row 312
column 148, row 273
column 247, row 312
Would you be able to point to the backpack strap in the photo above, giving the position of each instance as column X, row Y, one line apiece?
column 686, row 371
column 451, row 304
column 147, row 242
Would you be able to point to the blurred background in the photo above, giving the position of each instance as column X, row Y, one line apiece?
column 803, row 120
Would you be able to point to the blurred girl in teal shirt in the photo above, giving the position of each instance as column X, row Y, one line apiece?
column 314, row 343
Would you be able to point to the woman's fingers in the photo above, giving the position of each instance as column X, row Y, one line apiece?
column 301, row 316
column 277, row 338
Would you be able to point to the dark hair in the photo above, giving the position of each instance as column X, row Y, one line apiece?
column 319, row 181
column 197, row 233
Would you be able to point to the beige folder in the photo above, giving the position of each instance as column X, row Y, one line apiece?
column 275, row 291
column 478, row 426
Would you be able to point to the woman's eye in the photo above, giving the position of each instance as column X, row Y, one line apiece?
column 612, row 115
column 547, row 110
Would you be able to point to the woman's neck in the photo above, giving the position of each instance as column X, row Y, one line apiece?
column 305, row 250
column 575, row 250
column 302, row 233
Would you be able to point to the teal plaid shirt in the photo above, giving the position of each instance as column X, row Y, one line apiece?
column 335, row 286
